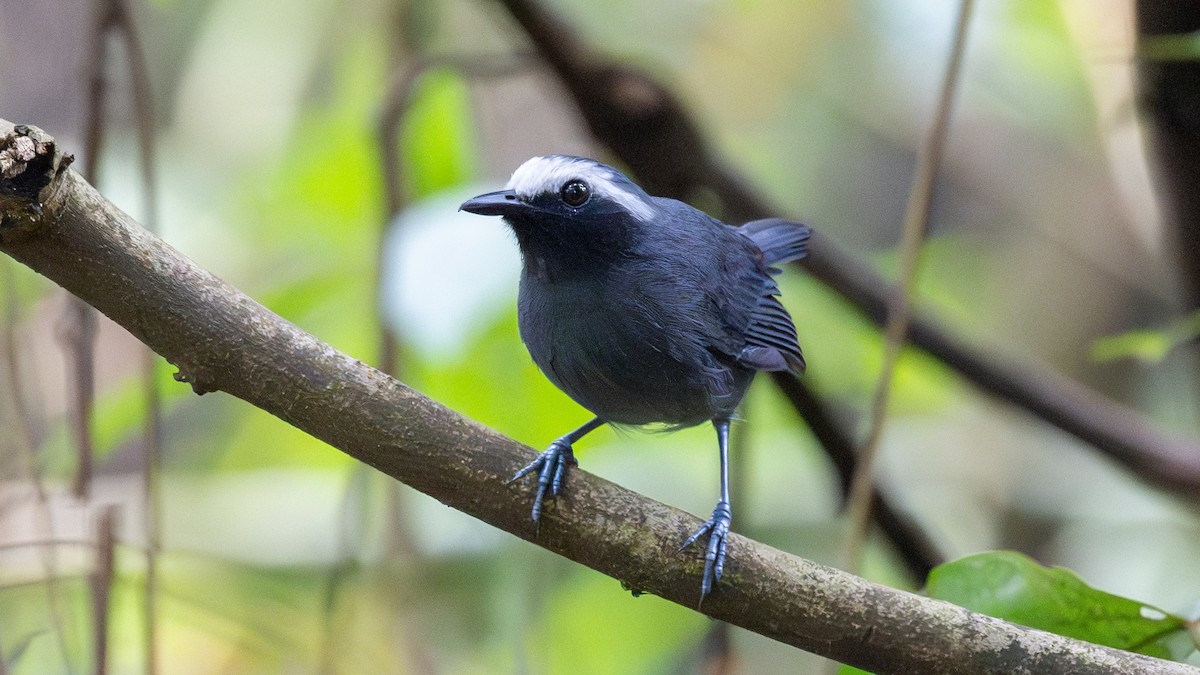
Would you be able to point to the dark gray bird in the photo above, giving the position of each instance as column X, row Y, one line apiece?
column 643, row 309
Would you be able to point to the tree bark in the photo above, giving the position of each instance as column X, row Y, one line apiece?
column 221, row 340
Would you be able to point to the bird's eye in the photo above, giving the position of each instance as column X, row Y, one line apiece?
column 575, row 193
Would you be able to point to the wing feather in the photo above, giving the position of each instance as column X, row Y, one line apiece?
column 769, row 340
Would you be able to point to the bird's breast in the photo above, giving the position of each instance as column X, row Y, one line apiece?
column 614, row 350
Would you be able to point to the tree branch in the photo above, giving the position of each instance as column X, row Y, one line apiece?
column 650, row 131
column 914, row 547
column 54, row 222
column 1168, row 93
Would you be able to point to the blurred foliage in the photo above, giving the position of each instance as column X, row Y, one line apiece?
column 437, row 137
column 1185, row 47
column 1148, row 345
column 281, row 555
column 1012, row 586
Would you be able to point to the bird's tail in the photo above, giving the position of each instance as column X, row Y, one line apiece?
column 780, row 240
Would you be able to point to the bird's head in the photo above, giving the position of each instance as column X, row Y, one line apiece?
column 569, row 213
column 558, row 190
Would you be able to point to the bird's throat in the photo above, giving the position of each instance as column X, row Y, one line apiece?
column 553, row 255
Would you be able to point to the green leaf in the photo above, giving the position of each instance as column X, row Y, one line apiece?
column 1150, row 346
column 1011, row 586
column 1143, row 345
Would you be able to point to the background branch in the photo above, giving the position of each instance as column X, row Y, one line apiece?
column 54, row 222
column 645, row 126
column 21, row 429
column 1169, row 92
column 397, row 100
column 114, row 19
column 913, row 546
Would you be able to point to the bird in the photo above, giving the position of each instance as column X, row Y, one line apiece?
column 649, row 313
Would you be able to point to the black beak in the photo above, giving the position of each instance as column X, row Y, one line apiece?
column 500, row 203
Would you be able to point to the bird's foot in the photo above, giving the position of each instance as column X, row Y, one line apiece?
column 550, row 467
column 717, row 529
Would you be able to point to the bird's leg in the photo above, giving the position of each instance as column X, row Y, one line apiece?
column 717, row 527
column 551, row 465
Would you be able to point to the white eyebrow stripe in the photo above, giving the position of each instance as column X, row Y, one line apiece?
column 540, row 175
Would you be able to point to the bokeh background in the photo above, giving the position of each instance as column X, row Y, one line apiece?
column 279, row 554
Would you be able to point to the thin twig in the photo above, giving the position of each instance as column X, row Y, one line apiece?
column 397, row 101
column 717, row 656
column 913, row 546
column 47, row 543
column 27, row 444
column 115, row 19
column 78, row 331
column 916, row 228
column 143, row 102
column 103, row 574
column 345, row 567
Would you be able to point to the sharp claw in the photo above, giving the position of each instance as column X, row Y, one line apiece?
column 717, row 528
column 551, row 467
column 696, row 535
column 526, row 471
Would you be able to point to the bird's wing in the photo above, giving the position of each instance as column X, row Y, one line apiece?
column 763, row 332
column 771, row 342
